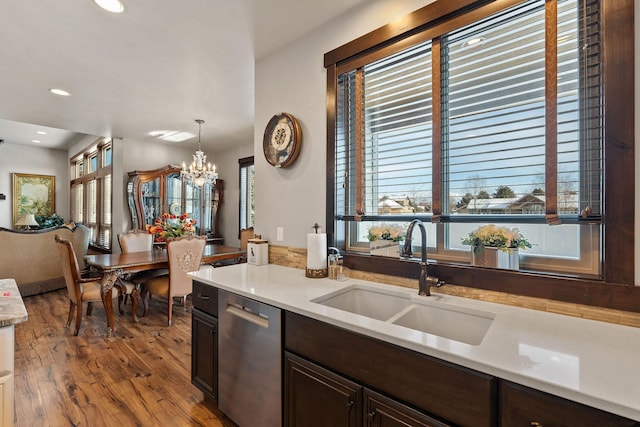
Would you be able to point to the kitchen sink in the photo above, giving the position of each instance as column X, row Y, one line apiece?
column 455, row 323
column 422, row 314
column 375, row 303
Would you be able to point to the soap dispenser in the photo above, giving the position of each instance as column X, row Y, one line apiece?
column 334, row 262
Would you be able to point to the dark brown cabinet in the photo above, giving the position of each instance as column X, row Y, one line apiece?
column 526, row 407
column 153, row 193
column 439, row 389
column 380, row 411
column 316, row 397
column 204, row 340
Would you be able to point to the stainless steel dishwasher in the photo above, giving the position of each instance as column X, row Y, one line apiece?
column 249, row 361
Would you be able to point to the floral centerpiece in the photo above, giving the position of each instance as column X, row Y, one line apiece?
column 384, row 240
column 170, row 225
column 497, row 239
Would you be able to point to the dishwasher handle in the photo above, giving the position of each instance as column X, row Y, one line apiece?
column 248, row 315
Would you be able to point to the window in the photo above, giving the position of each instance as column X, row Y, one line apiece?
column 247, row 188
column 494, row 115
column 91, row 192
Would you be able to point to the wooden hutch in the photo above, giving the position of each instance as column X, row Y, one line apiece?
column 153, row 193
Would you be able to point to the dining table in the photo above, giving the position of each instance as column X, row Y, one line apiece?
column 114, row 266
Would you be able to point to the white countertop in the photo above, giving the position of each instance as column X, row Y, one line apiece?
column 587, row 361
column 12, row 309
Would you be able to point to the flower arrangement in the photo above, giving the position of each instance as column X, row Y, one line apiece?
column 492, row 236
column 386, row 232
column 171, row 226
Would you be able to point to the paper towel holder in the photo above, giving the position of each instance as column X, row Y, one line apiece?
column 317, row 267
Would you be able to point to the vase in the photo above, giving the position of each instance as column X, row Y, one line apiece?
column 388, row 248
column 495, row 258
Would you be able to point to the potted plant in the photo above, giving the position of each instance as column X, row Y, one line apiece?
column 496, row 246
column 385, row 240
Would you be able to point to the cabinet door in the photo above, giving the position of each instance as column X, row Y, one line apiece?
column 315, row 397
column 380, row 411
column 522, row 406
column 204, row 353
column 150, row 196
column 173, row 194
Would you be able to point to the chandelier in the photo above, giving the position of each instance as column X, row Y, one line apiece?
column 199, row 171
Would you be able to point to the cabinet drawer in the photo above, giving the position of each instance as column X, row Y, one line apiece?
column 424, row 382
column 523, row 406
column 205, row 298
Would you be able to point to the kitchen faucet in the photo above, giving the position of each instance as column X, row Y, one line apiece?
column 425, row 281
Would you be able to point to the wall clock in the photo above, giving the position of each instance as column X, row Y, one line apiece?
column 282, row 140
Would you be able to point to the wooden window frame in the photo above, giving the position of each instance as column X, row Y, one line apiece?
column 102, row 171
column 616, row 289
column 244, row 162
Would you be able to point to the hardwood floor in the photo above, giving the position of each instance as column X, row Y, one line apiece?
column 139, row 377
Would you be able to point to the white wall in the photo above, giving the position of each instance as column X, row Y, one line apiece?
column 293, row 80
column 15, row 158
column 228, row 169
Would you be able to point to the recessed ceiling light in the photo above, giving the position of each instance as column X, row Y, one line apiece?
column 114, row 6
column 36, row 141
column 41, row 132
column 172, row 135
column 60, row 92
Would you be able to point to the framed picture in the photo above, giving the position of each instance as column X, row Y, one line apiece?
column 33, row 194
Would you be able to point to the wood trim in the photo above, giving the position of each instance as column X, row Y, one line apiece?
column 436, row 135
column 551, row 111
column 331, row 101
column 430, row 14
column 359, row 144
column 619, row 140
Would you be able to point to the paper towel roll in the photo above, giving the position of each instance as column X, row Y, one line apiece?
column 317, row 255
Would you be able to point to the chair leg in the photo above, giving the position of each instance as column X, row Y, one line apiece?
column 170, row 303
column 134, row 304
column 72, row 307
column 78, row 318
column 89, row 308
column 120, row 301
column 145, row 295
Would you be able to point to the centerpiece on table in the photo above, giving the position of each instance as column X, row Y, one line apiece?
column 169, row 226
column 495, row 246
column 385, row 240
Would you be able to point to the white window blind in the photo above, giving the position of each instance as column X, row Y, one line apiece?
column 496, row 117
column 104, row 230
column 390, row 153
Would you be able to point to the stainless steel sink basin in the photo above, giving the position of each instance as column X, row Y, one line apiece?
column 375, row 303
column 455, row 323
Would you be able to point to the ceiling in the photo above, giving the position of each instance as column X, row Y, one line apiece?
column 158, row 66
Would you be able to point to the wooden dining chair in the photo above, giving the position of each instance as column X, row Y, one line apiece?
column 135, row 241
column 185, row 255
column 80, row 290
